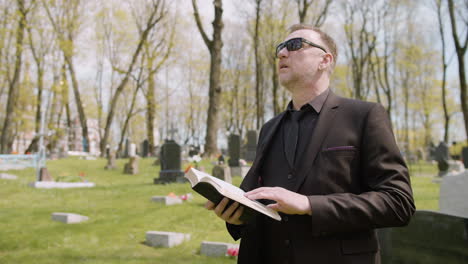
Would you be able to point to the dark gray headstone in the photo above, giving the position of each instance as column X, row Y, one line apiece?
column 234, row 150
column 222, row 172
column 442, row 157
column 464, row 155
column 144, row 148
column 111, row 162
column 170, row 159
column 430, row 238
column 251, row 145
column 126, row 149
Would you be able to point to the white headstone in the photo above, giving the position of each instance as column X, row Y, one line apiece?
column 61, row 185
column 132, row 150
column 167, row 200
column 165, row 239
column 69, row 218
column 454, row 195
column 216, row 249
column 7, row 176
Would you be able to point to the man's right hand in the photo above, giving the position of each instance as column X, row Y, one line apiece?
column 230, row 215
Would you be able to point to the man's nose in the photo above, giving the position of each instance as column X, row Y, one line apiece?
column 282, row 53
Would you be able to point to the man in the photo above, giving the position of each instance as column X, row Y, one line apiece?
column 329, row 165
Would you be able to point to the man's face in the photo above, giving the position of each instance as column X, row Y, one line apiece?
column 300, row 67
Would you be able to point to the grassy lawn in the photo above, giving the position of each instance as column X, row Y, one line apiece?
column 120, row 212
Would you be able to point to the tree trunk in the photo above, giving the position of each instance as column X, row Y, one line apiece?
column 150, row 111
column 214, row 46
column 460, row 50
column 444, row 72
column 79, row 104
column 258, row 69
column 7, row 137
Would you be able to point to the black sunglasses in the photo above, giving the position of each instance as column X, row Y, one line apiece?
column 296, row 44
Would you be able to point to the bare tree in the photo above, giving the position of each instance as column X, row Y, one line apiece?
column 320, row 8
column 65, row 19
column 7, row 137
column 438, row 5
column 361, row 43
column 157, row 10
column 259, row 94
column 460, row 49
column 214, row 45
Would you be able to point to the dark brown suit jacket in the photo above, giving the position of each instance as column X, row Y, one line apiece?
column 355, row 179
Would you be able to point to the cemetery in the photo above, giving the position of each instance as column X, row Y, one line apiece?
column 106, row 105
column 129, row 218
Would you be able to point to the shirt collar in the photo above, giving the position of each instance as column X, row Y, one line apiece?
column 316, row 103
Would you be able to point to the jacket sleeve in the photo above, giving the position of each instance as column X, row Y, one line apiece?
column 387, row 200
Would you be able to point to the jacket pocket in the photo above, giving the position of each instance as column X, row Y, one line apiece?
column 360, row 243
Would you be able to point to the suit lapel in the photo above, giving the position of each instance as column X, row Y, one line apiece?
column 324, row 123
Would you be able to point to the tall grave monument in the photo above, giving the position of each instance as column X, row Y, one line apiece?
column 251, row 145
column 171, row 162
column 234, row 156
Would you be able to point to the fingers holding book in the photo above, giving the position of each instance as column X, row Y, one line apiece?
column 229, row 212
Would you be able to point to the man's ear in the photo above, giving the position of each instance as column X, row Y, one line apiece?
column 326, row 61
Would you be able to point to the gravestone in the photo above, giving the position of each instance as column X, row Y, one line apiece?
column 251, row 145
column 126, row 149
column 6, row 176
column 216, row 249
column 145, row 148
column 166, row 200
column 44, row 175
column 441, row 155
column 234, row 150
column 110, row 162
column 61, row 185
column 464, row 155
column 222, row 172
column 132, row 150
column 107, row 151
column 165, row 239
column 430, row 238
column 69, row 218
column 170, row 159
column 132, row 166
column 453, row 194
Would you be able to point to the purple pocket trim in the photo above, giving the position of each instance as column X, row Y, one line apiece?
column 341, row 148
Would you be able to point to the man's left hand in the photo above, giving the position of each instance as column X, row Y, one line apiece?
column 286, row 201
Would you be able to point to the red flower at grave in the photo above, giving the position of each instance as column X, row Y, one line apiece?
column 81, row 174
column 183, row 197
column 233, row 252
column 188, row 168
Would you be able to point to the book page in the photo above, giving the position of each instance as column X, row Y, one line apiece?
column 227, row 186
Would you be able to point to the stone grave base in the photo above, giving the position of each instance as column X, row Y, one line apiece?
column 6, row 176
column 216, row 249
column 170, row 176
column 165, row 239
column 61, row 185
column 239, row 171
column 453, row 194
column 166, row 200
column 69, row 218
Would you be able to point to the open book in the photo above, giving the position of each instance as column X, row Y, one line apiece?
column 215, row 189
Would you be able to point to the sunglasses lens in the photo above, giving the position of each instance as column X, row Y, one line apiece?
column 291, row 45
column 294, row 44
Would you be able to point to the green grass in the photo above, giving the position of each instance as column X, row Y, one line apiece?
column 121, row 212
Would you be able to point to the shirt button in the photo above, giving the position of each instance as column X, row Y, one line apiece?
column 287, row 242
column 290, row 176
column 285, row 218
